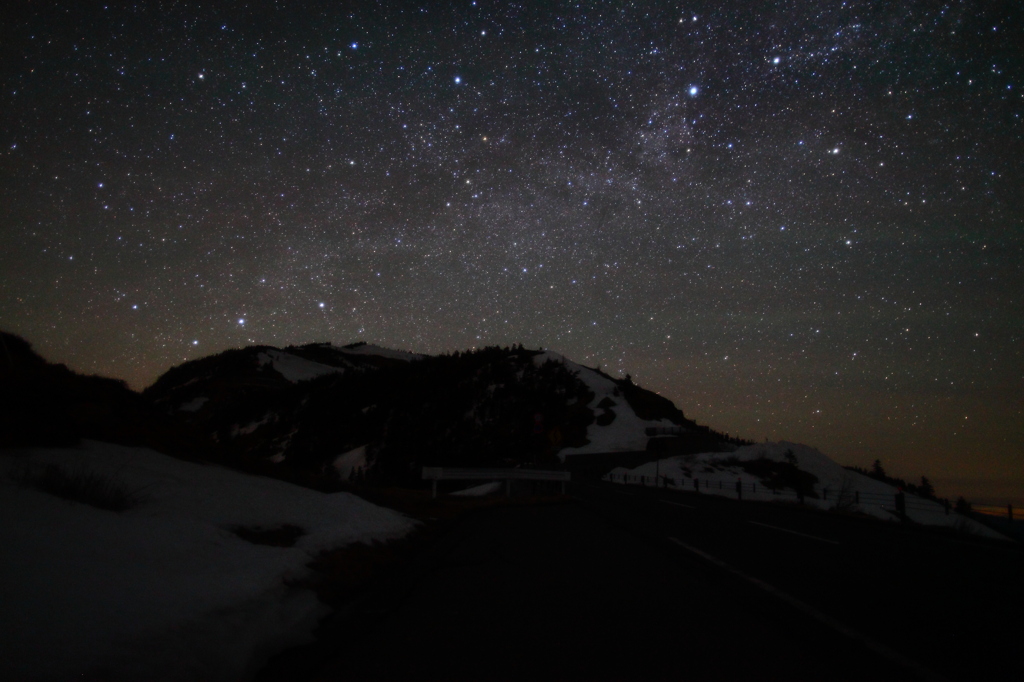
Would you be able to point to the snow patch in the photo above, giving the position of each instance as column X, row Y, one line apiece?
column 194, row 405
column 626, row 432
column 252, row 426
column 835, row 485
column 293, row 368
column 380, row 351
column 351, row 460
column 163, row 591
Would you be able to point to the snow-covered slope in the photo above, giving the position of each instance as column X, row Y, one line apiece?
column 346, row 463
column 835, row 486
column 378, row 351
column 165, row 590
column 625, row 433
column 293, row 368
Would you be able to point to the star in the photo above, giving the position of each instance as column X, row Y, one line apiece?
column 646, row 157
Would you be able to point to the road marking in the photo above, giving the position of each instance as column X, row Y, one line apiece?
column 807, row 609
column 786, row 530
column 678, row 504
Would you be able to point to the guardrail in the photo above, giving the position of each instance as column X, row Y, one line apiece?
column 435, row 474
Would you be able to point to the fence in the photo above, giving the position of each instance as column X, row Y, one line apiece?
column 435, row 474
column 838, row 497
column 1006, row 512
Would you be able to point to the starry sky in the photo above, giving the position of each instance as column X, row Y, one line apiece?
column 797, row 220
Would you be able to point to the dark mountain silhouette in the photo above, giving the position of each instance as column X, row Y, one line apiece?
column 290, row 413
column 298, row 408
column 44, row 404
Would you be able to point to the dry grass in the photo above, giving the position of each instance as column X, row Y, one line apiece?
column 86, row 487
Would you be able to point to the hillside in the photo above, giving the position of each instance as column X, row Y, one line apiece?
column 340, row 411
column 320, row 414
column 791, row 472
column 45, row 404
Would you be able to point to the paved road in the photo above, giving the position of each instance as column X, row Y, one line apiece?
column 952, row 605
column 637, row 584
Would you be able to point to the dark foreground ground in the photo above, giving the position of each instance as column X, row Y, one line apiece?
column 637, row 584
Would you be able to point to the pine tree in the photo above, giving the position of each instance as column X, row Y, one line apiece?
column 877, row 471
column 926, row 489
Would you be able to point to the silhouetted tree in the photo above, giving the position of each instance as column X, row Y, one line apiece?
column 926, row 489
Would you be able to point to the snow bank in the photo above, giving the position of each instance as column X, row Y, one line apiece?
column 835, row 485
column 163, row 591
column 293, row 368
column 353, row 459
column 626, row 433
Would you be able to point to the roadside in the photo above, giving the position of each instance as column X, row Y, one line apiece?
column 551, row 591
column 946, row 600
column 358, row 581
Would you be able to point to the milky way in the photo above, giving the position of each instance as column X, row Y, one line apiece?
column 797, row 220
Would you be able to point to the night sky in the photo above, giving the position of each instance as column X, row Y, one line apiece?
column 797, row 220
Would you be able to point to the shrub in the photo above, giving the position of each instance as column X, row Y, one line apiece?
column 279, row 536
column 86, row 487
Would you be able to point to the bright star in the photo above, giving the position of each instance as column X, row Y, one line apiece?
column 693, row 91
column 458, row 79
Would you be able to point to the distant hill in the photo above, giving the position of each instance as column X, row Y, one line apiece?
column 44, row 404
column 380, row 413
column 799, row 474
column 319, row 414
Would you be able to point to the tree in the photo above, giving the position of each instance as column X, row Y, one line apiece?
column 877, row 471
column 926, row 489
column 962, row 506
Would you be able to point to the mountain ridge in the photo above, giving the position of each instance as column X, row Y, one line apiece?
column 492, row 406
column 294, row 412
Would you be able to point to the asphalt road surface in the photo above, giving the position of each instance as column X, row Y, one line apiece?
column 628, row 583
